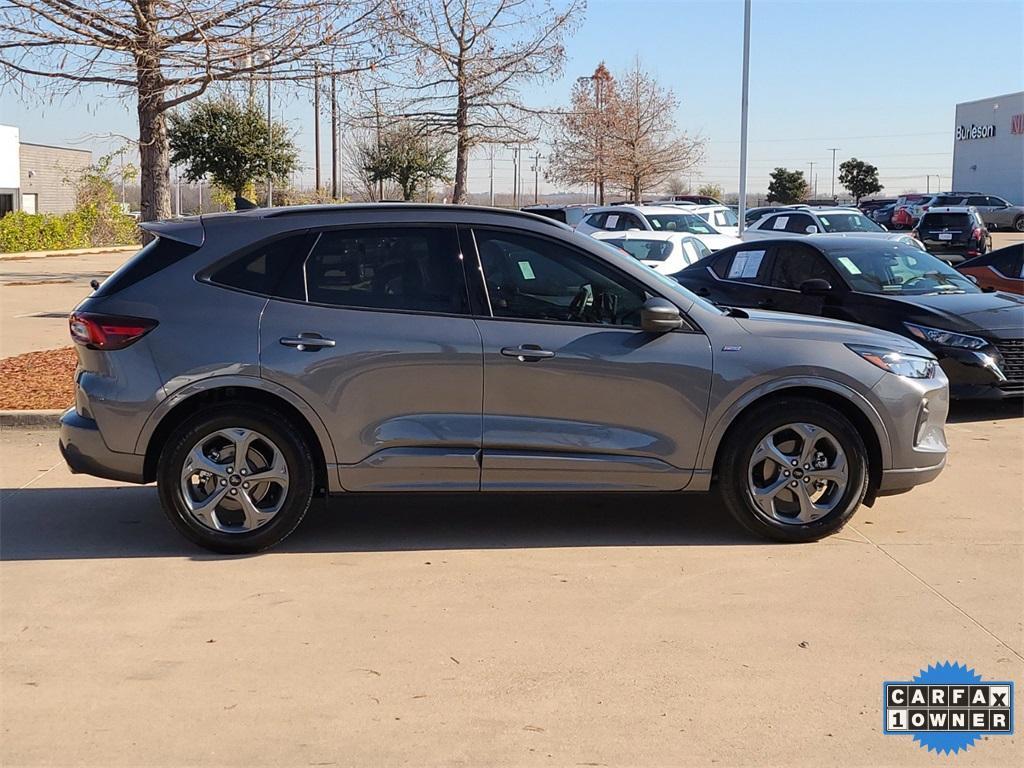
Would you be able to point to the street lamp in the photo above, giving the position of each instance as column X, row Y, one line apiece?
column 743, row 116
column 833, row 150
column 598, row 181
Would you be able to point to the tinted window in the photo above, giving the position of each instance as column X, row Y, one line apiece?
column 951, row 200
column 748, row 265
column 946, row 220
column 996, row 202
column 1009, row 261
column 646, row 250
column 694, row 249
column 415, row 269
column 532, row 278
column 792, row 265
column 272, row 268
column 977, row 200
column 156, row 255
column 596, row 220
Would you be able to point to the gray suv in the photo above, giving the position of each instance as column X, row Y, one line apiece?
column 249, row 361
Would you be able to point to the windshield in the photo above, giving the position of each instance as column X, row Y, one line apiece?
column 897, row 269
column 680, row 222
column 848, row 222
column 663, row 281
column 645, row 250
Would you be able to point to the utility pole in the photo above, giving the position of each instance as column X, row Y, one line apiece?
column 270, row 146
column 492, row 175
column 316, row 122
column 334, row 137
column 376, row 109
column 744, row 101
column 810, row 179
column 536, row 178
column 833, row 150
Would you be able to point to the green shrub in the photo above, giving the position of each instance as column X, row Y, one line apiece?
column 86, row 227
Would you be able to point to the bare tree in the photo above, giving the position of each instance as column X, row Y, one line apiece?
column 167, row 52
column 645, row 148
column 469, row 56
column 579, row 150
column 360, row 183
column 677, row 185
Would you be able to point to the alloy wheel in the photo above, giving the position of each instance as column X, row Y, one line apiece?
column 234, row 480
column 797, row 474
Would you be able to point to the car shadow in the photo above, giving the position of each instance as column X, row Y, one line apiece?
column 965, row 411
column 126, row 521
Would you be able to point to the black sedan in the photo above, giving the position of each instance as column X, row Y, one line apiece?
column 978, row 337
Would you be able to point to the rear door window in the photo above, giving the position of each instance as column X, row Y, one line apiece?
column 270, row 268
column 793, row 265
column 1010, row 263
column 748, row 266
column 416, row 269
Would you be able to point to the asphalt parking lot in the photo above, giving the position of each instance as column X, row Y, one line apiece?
column 615, row 630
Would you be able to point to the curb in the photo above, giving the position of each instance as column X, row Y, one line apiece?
column 19, row 255
column 20, row 419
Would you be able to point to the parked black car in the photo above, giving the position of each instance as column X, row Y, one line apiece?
column 953, row 233
column 753, row 214
column 883, row 214
column 978, row 337
column 867, row 206
column 567, row 214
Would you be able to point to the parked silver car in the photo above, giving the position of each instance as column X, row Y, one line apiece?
column 249, row 361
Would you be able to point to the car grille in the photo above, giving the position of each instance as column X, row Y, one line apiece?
column 1012, row 351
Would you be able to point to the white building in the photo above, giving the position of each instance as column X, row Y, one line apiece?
column 988, row 147
column 37, row 178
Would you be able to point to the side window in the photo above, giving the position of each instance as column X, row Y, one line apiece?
column 799, row 223
column 612, row 221
column 748, row 266
column 272, row 268
column 977, row 200
column 774, row 223
column 996, row 202
column 532, row 278
column 414, row 269
column 597, row 220
column 1009, row 262
column 794, row 264
column 629, row 221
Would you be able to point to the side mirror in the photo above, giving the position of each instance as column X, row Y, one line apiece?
column 658, row 316
column 811, row 229
column 815, row 287
column 972, row 278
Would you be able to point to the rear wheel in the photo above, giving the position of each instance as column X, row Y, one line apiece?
column 793, row 470
column 1018, row 223
column 236, row 478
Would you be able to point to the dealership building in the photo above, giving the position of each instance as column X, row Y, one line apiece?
column 988, row 147
column 37, row 178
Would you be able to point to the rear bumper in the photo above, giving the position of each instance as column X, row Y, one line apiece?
column 82, row 447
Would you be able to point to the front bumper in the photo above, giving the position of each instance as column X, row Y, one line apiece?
column 977, row 375
column 82, row 447
column 899, row 480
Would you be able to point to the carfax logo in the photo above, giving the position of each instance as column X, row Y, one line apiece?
column 947, row 707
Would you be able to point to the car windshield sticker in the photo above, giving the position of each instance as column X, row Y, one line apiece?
column 611, row 221
column 781, row 222
column 848, row 264
column 527, row 270
column 746, row 264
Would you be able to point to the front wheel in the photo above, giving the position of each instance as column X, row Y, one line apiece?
column 1018, row 224
column 236, row 478
column 793, row 470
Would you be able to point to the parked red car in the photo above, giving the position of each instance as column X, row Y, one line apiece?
column 903, row 215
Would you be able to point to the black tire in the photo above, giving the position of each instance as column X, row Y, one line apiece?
column 736, row 453
column 293, row 448
column 1018, row 224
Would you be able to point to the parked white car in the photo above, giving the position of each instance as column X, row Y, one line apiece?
column 664, row 252
column 721, row 217
column 621, row 218
column 840, row 222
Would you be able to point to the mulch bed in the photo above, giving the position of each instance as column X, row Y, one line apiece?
column 38, row 380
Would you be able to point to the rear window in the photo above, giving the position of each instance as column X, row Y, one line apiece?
column 946, row 221
column 155, row 256
column 271, row 268
column 646, row 250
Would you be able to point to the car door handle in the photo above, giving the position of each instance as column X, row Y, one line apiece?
column 307, row 342
column 527, row 353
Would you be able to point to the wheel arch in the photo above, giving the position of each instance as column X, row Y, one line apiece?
column 852, row 405
column 237, row 389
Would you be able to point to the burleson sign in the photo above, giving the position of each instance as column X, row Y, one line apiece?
column 963, row 133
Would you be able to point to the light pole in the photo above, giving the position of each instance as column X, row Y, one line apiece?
column 743, row 115
column 833, row 150
column 270, row 148
column 810, row 178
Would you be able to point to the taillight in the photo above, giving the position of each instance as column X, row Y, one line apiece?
column 913, row 234
column 976, row 234
column 98, row 331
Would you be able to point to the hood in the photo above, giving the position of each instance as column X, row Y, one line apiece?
column 783, row 325
column 1000, row 314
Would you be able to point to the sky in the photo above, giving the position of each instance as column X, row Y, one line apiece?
column 877, row 79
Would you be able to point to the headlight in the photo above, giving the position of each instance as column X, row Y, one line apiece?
column 945, row 338
column 911, row 366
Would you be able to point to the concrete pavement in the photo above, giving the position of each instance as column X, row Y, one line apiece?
column 616, row 630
